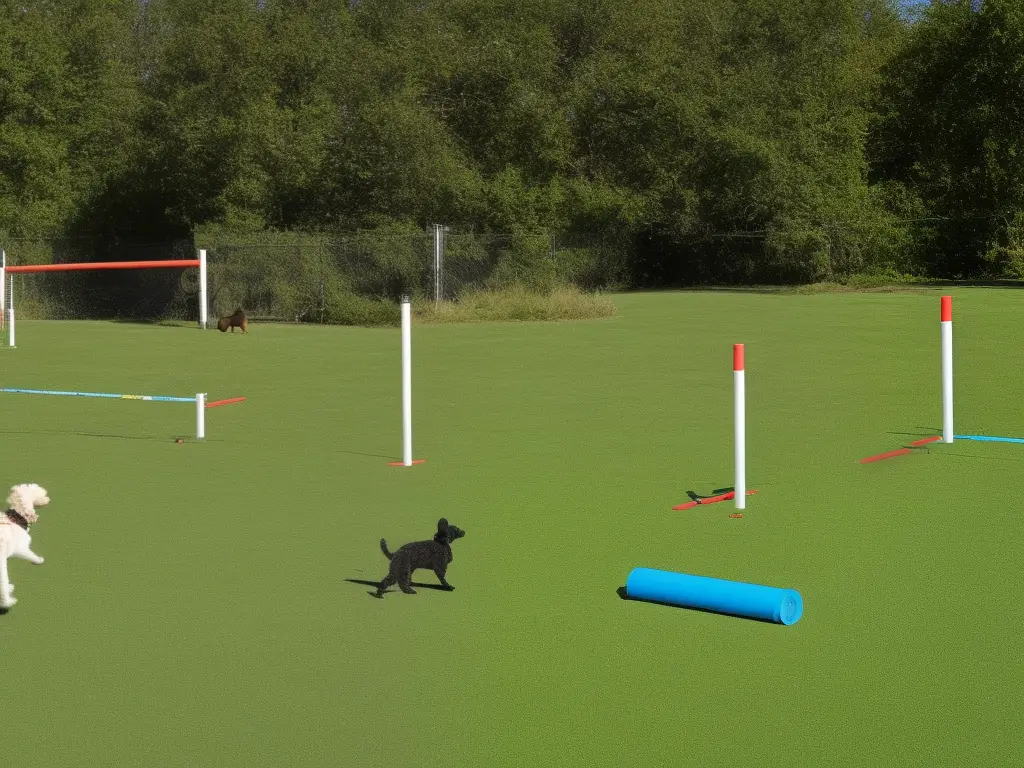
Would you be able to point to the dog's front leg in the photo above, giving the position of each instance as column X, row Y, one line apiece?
column 29, row 555
column 439, row 572
column 6, row 598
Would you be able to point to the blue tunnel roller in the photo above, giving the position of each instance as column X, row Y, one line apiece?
column 737, row 598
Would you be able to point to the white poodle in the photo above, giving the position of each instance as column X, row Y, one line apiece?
column 14, row 538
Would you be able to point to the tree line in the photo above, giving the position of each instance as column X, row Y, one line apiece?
column 714, row 140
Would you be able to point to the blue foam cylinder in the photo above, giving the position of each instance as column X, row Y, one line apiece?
column 737, row 598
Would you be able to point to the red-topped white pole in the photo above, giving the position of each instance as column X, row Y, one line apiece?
column 946, row 322
column 739, row 401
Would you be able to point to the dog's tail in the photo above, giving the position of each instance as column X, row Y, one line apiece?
column 384, row 549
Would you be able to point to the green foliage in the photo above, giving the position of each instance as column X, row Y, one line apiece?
column 734, row 140
column 277, row 275
column 518, row 303
column 393, row 260
column 346, row 308
column 36, row 191
column 950, row 133
column 524, row 261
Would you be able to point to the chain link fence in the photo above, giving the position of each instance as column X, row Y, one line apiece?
column 293, row 277
column 311, row 278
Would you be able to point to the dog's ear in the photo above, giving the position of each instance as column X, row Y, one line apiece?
column 442, row 525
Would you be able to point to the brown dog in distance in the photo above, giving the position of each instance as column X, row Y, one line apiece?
column 237, row 320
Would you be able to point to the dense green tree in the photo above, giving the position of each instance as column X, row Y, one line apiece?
column 712, row 139
column 36, row 191
column 948, row 148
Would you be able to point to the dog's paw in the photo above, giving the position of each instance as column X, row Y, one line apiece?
column 8, row 603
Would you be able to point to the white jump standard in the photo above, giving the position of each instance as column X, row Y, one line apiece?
column 946, row 324
column 199, row 400
column 740, row 419
column 407, row 459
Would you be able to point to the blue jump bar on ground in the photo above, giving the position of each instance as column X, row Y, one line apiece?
column 989, row 439
column 155, row 398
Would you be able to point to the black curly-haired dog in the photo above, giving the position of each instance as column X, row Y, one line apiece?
column 434, row 554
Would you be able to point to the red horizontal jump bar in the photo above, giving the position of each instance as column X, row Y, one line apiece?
column 925, row 441
column 104, row 265
column 229, row 401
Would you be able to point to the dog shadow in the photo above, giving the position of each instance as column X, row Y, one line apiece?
column 621, row 592
column 694, row 496
column 375, row 584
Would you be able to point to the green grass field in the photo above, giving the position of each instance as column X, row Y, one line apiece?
column 195, row 607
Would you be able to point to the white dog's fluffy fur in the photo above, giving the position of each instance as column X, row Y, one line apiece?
column 14, row 540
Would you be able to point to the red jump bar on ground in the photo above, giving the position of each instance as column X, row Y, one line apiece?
column 229, row 401
column 24, row 268
column 710, row 500
column 889, row 455
column 925, row 441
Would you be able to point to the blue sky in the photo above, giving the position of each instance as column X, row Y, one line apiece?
column 908, row 5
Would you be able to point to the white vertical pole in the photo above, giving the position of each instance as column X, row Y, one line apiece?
column 437, row 262
column 10, row 316
column 200, row 416
column 3, row 286
column 406, row 382
column 203, row 303
column 946, row 322
column 740, row 419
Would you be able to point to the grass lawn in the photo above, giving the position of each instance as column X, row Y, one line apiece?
column 195, row 607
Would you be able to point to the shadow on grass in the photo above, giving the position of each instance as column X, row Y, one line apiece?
column 64, row 433
column 979, row 456
column 372, row 455
column 159, row 439
column 694, row 496
column 415, row 584
column 621, row 592
column 926, row 432
column 191, row 325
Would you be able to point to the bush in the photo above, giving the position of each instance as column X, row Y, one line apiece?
column 518, row 304
column 524, row 263
column 350, row 309
column 387, row 262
